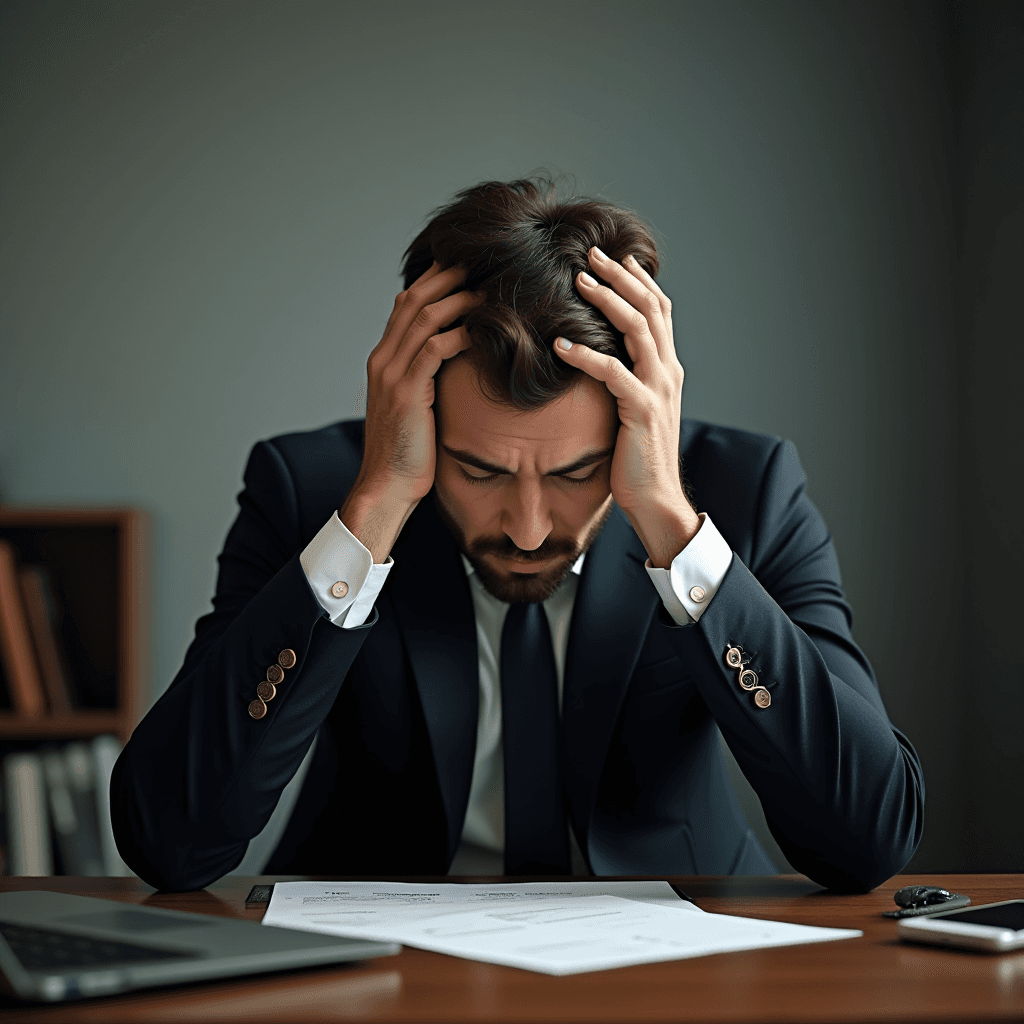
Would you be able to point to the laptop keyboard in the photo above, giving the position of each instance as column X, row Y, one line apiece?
column 40, row 949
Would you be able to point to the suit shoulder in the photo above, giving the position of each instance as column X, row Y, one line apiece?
column 708, row 448
column 726, row 469
column 340, row 440
column 322, row 465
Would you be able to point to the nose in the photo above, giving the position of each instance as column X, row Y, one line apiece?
column 526, row 518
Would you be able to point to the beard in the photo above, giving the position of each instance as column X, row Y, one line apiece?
column 517, row 587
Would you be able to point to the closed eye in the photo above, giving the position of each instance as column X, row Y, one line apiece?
column 490, row 477
column 589, row 478
column 487, row 478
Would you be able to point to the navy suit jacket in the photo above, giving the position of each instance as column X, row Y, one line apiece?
column 395, row 701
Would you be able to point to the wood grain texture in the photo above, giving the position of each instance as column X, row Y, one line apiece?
column 132, row 629
column 874, row 978
column 82, row 722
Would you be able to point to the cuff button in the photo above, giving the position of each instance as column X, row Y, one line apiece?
column 257, row 709
column 340, row 589
column 275, row 674
column 734, row 657
column 762, row 698
column 697, row 594
column 266, row 691
column 286, row 659
column 748, row 680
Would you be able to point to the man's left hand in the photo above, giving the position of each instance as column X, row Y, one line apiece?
column 645, row 467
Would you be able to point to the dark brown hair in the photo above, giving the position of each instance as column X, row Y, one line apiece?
column 523, row 246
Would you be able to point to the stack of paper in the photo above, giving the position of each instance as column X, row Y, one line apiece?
column 552, row 927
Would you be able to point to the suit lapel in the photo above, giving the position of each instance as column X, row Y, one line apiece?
column 434, row 610
column 612, row 613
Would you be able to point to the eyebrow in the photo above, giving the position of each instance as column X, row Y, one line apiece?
column 587, row 459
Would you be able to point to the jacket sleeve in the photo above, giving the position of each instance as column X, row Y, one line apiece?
column 200, row 777
column 841, row 788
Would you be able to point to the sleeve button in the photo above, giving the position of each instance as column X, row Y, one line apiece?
column 275, row 674
column 762, row 698
column 266, row 691
column 286, row 659
column 257, row 709
column 748, row 680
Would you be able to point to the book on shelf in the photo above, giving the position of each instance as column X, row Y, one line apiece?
column 73, row 588
column 29, row 850
column 19, row 661
column 57, row 800
column 70, row 781
column 43, row 617
column 5, row 687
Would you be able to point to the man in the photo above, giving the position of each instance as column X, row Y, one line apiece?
column 507, row 622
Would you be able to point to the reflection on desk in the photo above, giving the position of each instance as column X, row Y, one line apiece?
column 870, row 978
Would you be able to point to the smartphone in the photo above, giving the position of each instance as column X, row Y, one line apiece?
column 992, row 928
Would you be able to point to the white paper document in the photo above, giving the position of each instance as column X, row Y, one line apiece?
column 327, row 906
column 552, row 927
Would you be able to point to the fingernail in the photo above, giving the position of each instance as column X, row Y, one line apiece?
column 600, row 254
column 562, row 343
column 587, row 279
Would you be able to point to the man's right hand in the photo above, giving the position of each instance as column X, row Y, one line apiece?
column 399, row 448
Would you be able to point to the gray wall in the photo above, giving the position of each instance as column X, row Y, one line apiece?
column 990, row 105
column 204, row 208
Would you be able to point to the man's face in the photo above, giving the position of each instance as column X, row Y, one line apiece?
column 524, row 493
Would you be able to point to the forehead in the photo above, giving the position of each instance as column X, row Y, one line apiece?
column 583, row 418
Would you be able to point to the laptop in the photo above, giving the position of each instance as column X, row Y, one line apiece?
column 55, row 946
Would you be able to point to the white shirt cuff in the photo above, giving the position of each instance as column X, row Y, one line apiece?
column 342, row 575
column 696, row 573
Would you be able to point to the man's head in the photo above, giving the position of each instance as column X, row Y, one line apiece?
column 524, row 440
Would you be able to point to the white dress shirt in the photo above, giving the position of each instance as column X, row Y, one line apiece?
column 346, row 582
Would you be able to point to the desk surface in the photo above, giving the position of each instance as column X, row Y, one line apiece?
column 871, row 978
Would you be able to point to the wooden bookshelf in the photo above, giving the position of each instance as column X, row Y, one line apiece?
column 98, row 559
column 83, row 722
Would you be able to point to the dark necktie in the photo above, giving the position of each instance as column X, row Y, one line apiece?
column 536, row 833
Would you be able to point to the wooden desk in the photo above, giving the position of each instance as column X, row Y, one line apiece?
column 867, row 979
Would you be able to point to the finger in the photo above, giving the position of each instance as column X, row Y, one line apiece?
column 612, row 372
column 436, row 349
column 422, row 292
column 429, row 321
column 632, row 264
column 636, row 329
column 648, row 335
column 630, row 286
column 432, row 271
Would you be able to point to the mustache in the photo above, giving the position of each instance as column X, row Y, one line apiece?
column 505, row 547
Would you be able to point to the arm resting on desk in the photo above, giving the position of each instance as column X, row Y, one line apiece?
column 842, row 789
column 199, row 777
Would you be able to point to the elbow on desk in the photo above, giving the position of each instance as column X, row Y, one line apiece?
column 179, row 867
column 868, row 856
column 164, row 853
column 851, row 870
column 853, row 879
column 172, row 865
